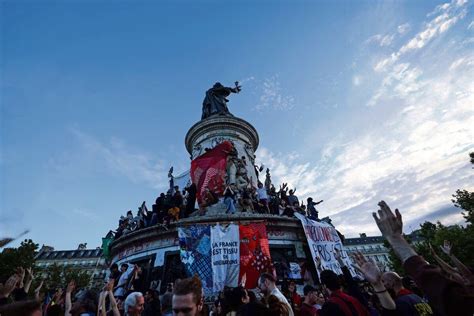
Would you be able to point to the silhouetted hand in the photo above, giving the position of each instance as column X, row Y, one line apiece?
column 71, row 286
column 390, row 224
column 57, row 295
column 38, row 289
column 109, row 286
column 29, row 272
column 368, row 268
column 391, row 227
column 9, row 286
column 446, row 248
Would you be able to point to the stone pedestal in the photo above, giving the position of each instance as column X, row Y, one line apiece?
column 214, row 130
column 158, row 247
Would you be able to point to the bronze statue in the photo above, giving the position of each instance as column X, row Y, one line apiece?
column 215, row 101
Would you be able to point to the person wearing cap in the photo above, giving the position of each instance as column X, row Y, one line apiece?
column 310, row 299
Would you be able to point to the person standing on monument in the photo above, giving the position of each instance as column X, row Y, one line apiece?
column 312, row 212
column 263, row 197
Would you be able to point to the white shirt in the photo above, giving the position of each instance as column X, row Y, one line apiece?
column 122, row 282
column 262, row 194
column 282, row 299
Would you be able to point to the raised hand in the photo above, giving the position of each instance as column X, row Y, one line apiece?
column 446, row 248
column 318, row 263
column 57, row 295
column 9, row 285
column 390, row 224
column 368, row 269
column 38, row 289
column 71, row 286
column 337, row 255
column 109, row 286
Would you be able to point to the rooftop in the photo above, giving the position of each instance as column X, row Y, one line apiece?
column 68, row 254
column 364, row 240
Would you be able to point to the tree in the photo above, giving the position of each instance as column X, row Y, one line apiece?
column 57, row 276
column 11, row 258
column 465, row 200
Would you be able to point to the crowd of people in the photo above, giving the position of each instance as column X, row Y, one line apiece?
column 177, row 204
column 427, row 289
column 168, row 208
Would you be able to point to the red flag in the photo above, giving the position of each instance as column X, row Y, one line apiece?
column 254, row 253
column 209, row 169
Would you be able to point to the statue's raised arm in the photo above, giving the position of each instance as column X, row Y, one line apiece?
column 215, row 102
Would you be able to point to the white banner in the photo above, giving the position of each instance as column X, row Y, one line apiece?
column 225, row 258
column 322, row 241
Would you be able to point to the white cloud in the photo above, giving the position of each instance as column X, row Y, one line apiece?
column 272, row 96
column 471, row 26
column 467, row 61
column 121, row 159
column 449, row 14
column 251, row 78
column 415, row 159
column 402, row 29
column 402, row 81
column 382, row 40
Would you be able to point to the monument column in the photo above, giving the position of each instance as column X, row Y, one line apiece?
column 211, row 131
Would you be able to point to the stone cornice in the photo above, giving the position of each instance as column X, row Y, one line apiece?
column 220, row 123
column 159, row 232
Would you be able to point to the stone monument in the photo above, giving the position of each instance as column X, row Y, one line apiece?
column 157, row 246
column 218, row 125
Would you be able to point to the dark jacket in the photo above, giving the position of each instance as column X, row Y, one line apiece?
column 445, row 296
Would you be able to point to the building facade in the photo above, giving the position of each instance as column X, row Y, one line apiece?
column 89, row 260
column 372, row 247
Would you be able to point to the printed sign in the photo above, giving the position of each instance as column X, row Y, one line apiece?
column 322, row 241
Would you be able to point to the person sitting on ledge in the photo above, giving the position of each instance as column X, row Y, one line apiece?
column 208, row 199
column 229, row 199
column 245, row 201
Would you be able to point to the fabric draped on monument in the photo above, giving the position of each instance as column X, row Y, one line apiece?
column 209, row 170
column 225, row 255
column 195, row 248
column 254, row 253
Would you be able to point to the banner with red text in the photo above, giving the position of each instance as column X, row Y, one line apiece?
column 322, row 241
column 209, row 170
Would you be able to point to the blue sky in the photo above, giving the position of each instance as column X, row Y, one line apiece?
column 354, row 101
